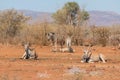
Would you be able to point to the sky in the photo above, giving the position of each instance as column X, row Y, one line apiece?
column 54, row 5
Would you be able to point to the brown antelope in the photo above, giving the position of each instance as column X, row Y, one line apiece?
column 29, row 52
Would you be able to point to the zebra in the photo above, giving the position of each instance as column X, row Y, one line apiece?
column 68, row 44
column 119, row 46
column 55, row 40
column 29, row 52
column 67, row 49
column 88, row 57
column 51, row 36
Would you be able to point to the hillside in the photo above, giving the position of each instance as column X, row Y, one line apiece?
column 38, row 16
column 104, row 18
column 96, row 17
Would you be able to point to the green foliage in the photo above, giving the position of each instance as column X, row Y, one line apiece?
column 85, row 15
column 70, row 14
column 71, row 7
column 60, row 17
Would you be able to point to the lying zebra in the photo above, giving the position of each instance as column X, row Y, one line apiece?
column 119, row 46
column 55, row 40
column 29, row 53
column 67, row 49
column 88, row 57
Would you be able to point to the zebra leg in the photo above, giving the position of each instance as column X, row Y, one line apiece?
column 90, row 61
column 54, row 48
column 23, row 56
column 26, row 56
column 71, row 50
column 102, row 58
column 35, row 55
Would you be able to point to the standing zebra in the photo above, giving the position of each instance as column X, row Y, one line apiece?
column 68, row 44
column 55, row 40
column 51, row 36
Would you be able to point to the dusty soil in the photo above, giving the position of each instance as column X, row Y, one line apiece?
column 57, row 66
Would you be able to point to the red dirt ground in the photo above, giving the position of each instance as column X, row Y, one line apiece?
column 57, row 66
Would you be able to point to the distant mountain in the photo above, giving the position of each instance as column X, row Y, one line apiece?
column 96, row 17
column 38, row 16
column 104, row 18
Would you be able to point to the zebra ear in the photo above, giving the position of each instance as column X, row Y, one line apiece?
column 83, row 48
column 29, row 44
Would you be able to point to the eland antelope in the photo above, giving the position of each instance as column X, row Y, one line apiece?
column 29, row 53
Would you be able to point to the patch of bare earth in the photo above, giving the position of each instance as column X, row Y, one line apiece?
column 57, row 66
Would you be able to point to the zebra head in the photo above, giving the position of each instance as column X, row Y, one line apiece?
column 50, row 36
column 86, row 55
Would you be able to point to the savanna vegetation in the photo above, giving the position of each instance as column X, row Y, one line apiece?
column 70, row 19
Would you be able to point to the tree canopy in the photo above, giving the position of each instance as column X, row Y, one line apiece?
column 70, row 14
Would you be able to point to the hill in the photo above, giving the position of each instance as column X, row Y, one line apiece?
column 104, row 18
column 38, row 16
column 101, row 18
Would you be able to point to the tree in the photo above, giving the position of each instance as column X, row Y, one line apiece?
column 70, row 14
column 11, row 22
column 83, row 16
column 60, row 17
